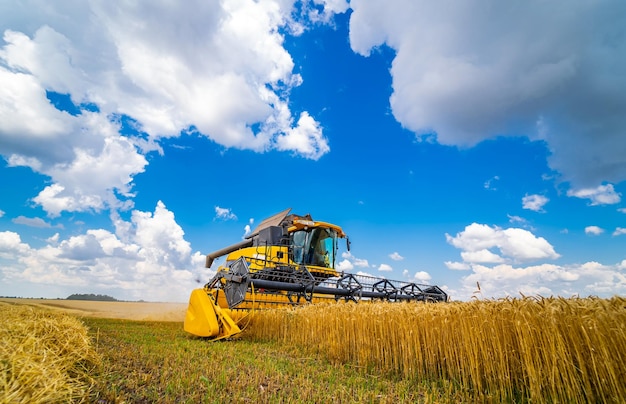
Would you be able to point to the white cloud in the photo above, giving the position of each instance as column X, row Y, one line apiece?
column 225, row 73
column 395, row 256
column 361, row 263
column 534, row 202
column 344, row 265
column 619, row 231
column 588, row 279
column 149, row 259
column 514, row 244
column 593, row 230
column 1, row 213
column 489, row 184
column 622, row 210
column 422, row 277
column 157, row 232
column 601, row 195
column 248, row 228
column 481, row 256
column 385, row 268
column 330, row 7
column 457, row 266
column 95, row 175
column 305, row 138
column 11, row 245
column 33, row 222
column 350, row 262
column 353, row 261
column 224, row 214
column 504, row 280
column 537, row 72
column 516, row 219
column 54, row 239
column 69, row 149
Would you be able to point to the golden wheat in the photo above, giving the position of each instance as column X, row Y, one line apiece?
column 44, row 357
column 537, row 349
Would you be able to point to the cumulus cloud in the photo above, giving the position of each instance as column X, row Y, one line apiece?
column 395, row 256
column 224, row 214
column 588, row 279
column 549, row 70
column 146, row 258
column 593, row 230
column 601, row 195
column 490, row 183
column 506, row 280
column 516, row 219
column 344, row 265
column 457, row 266
column 619, row 231
column 96, row 170
column 513, row 244
column 385, row 268
column 11, row 245
column 247, row 229
column 422, row 277
column 325, row 14
column 225, row 73
column 54, row 239
column 90, row 164
column 349, row 262
column 504, row 274
column 33, row 222
column 352, row 261
column 483, row 256
column 305, row 138
column 534, row 202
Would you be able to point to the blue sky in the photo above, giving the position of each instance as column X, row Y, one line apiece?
column 456, row 144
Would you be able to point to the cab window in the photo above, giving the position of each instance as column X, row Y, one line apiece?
column 315, row 247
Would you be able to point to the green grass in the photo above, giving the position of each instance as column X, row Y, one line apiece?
column 146, row 362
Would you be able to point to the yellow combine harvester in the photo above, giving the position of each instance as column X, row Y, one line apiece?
column 287, row 260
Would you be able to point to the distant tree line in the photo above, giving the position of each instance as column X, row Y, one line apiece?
column 91, row 296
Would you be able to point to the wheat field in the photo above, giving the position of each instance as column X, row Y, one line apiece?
column 530, row 349
column 511, row 350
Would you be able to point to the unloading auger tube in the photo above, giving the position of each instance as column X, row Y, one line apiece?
column 288, row 260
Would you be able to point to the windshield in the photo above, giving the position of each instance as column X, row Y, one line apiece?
column 314, row 247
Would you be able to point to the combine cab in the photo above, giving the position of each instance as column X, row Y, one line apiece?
column 288, row 260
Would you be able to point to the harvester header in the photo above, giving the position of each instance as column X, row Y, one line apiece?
column 287, row 260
